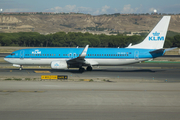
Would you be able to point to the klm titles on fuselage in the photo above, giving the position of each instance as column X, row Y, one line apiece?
column 156, row 37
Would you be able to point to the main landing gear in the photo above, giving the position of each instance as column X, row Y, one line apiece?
column 89, row 68
column 81, row 69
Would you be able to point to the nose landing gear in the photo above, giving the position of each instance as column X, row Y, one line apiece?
column 20, row 68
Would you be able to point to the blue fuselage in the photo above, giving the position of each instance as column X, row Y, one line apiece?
column 111, row 56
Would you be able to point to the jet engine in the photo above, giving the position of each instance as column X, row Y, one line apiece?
column 61, row 64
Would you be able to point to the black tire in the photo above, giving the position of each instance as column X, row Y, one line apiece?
column 81, row 69
column 89, row 68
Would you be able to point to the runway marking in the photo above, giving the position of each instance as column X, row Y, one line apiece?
column 115, row 90
column 4, row 70
column 20, row 91
column 42, row 71
column 27, row 71
column 87, row 80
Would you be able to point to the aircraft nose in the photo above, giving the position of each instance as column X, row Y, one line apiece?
column 6, row 59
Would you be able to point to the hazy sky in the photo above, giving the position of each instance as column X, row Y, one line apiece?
column 94, row 7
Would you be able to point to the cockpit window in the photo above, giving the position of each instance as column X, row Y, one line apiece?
column 12, row 53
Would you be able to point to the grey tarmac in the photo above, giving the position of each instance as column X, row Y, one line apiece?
column 142, row 71
column 58, row 100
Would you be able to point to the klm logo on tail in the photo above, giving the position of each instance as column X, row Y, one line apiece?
column 156, row 37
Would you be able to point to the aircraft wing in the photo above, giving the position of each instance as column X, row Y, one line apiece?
column 79, row 60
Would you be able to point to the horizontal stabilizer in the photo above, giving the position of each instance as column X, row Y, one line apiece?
column 157, row 51
column 169, row 49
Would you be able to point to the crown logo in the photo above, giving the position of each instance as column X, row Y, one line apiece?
column 156, row 33
column 56, row 64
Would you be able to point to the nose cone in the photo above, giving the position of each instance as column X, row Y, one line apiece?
column 6, row 58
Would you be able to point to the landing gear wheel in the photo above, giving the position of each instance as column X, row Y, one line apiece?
column 89, row 68
column 81, row 69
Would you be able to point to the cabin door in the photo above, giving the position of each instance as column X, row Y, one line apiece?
column 22, row 54
column 136, row 55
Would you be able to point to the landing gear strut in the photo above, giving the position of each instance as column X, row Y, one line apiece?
column 89, row 68
column 20, row 67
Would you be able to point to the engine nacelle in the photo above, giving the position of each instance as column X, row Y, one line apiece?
column 61, row 64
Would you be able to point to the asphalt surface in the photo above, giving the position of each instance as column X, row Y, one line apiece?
column 143, row 71
column 79, row 100
column 54, row 100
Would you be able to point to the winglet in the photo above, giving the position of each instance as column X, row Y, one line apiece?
column 83, row 54
column 129, row 45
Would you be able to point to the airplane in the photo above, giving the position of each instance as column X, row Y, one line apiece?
column 64, row 58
